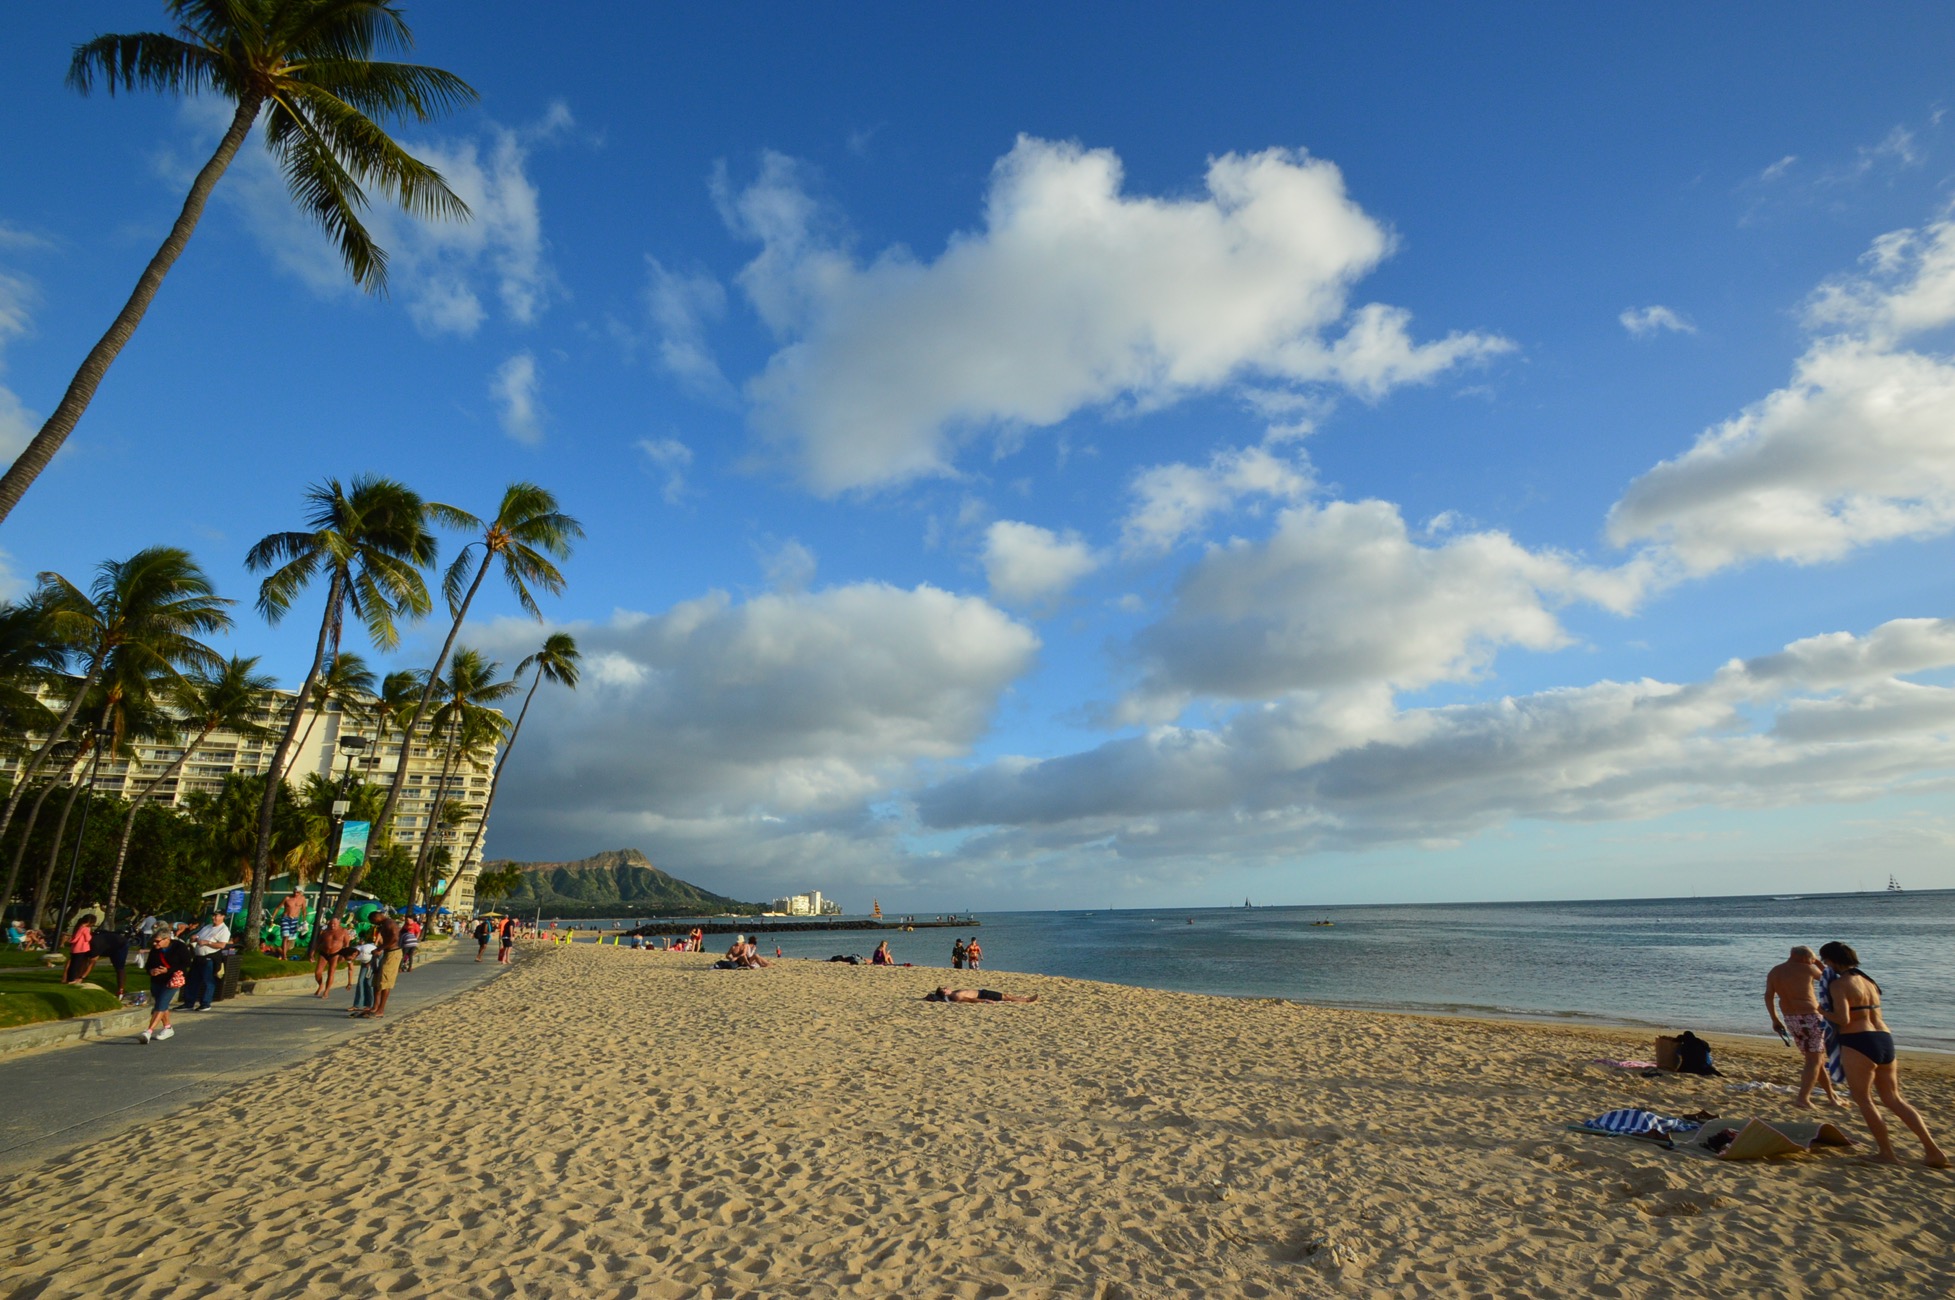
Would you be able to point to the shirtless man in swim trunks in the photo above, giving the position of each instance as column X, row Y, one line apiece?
column 291, row 915
column 1793, row 1004
column 977, row 995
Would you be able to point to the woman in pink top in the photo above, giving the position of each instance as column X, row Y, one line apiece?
column 79, row 945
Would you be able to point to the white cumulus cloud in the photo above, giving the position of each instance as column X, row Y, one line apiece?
column 1859, row 448
column 17, row 423
column 1646, row 321
column 1027, row 565
column 1174, row 502
column 1073, row 295
column 1828, row 719
column 446, row 273
column 516, row 387
column 1340, row 596
column 726, row 728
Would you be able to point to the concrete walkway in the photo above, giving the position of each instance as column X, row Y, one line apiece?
column 68, row 1098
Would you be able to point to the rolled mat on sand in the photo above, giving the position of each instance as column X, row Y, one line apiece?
column 1757, row 1140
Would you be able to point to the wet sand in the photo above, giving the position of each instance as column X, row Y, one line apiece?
column 601, row 1122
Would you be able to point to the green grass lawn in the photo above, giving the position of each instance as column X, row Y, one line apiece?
column 31, row 992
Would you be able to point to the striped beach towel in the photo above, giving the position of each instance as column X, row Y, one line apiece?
column 1834, row 1066
column 1635, row 1123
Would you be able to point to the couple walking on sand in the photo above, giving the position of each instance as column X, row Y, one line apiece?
column 1829, row 1009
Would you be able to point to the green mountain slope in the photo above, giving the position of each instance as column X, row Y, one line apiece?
column 621, row 882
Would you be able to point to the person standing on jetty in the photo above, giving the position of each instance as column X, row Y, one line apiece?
column 1792, row 1001
column 1867, row 1051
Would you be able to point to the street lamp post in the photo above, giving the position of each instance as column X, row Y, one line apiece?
column 349, row 748
column 81, row 835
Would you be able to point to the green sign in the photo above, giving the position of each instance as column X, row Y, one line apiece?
column 353, row 844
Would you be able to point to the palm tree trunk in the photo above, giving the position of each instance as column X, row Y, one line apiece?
column 54, row 858
column 307, row 735
column 95, row 366
column 495, row 778
column 261, row 856
column 20, row 849
column 129, row 822
column 381, row 822
column 435, row 809
column 28, row 772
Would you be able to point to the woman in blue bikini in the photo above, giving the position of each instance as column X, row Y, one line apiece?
column 1867, row 1052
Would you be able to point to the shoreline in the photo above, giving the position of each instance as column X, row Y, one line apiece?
column 596, row 1122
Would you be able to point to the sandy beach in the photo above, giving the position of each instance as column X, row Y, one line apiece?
column 601, row 1122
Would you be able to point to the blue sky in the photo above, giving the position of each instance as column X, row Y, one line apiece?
column 1124, row 455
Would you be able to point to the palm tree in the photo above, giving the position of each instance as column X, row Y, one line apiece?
column 348, row 683
column 371, row 540
column 307, row 67
column 229, row 698
column 141, row 617
column 527, row 531
column 472, row 725
column 557, row 660
column 31, row 660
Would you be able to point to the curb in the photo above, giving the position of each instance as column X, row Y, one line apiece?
column 53, row 1033
column 127, row 1020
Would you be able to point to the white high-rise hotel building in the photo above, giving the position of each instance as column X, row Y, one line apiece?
column 314, row 750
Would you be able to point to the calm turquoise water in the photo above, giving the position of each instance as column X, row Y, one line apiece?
column 1668, row 963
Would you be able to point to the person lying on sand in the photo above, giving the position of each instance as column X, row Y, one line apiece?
column 977, row 995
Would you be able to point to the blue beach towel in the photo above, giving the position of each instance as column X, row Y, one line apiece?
column 1635, row 1123
column 1834, row 1066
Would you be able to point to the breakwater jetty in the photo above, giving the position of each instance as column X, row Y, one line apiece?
column 775, row 925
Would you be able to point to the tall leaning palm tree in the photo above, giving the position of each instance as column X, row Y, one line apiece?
column 557, row 661
column 469, row 724
column 142, row 616
column 308, row 69
column 526, row 535
column 230, row 698
column 347, row 682
column 370, row 541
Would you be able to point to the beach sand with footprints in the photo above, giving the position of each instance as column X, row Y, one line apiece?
column 602, row 1122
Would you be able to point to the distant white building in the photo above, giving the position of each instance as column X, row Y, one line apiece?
column 808, row 904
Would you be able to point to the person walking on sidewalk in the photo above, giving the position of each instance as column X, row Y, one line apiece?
column 507, row 931
column 206, row 946
column 169, row 958
column 327, row 950
column 410, row 943
column 386, row 963
column 481, row 937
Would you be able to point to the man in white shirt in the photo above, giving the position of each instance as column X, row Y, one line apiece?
column 205, row 945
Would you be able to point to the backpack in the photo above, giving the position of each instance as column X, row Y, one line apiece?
column 1693, row 1055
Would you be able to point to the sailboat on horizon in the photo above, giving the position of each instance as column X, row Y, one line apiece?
column 1893, row 885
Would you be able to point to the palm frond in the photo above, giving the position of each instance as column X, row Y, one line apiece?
column 327, row 192
column 143, row 61
column 390, row 90
column 363, row 150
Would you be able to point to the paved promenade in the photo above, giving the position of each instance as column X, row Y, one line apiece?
column 66, row 1098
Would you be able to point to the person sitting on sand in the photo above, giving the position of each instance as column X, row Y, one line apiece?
column 1792, row 1001
column 977, row 995
column 1867, row 1052
column 881, row 957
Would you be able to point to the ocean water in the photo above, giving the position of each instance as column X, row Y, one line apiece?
column 1692, row 963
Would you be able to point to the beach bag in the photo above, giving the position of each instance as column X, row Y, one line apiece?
column 176, row 979
column 1693, row 1055
column 1667, row 1057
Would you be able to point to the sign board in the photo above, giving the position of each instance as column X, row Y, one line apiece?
column 353, row 844
column 234, row 901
